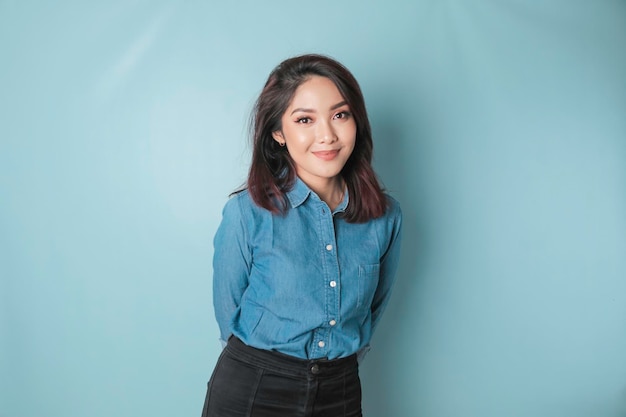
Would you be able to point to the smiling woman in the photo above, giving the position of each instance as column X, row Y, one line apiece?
column 319, row 133
column 274, row 170
column 305, row 256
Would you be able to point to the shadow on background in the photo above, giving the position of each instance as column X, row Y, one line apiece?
column 401, row 157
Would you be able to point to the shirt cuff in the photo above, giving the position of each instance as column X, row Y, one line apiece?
column 223, row 343
column 360, row 354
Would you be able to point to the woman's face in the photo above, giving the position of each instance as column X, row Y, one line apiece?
column 318, row 130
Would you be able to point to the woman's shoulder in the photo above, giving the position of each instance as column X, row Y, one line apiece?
column 241, row 202
column 393, row 207
column 238, row 200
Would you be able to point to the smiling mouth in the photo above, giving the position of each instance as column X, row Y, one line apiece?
column 327, row 155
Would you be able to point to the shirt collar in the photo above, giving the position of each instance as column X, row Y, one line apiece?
column 300, row 192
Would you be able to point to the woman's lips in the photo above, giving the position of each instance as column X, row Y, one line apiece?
column 326, row 155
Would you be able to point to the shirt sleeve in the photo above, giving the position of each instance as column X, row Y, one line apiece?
column 231, row 266
column 388, row 265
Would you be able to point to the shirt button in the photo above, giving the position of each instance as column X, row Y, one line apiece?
column 329, row 247
column 321, row 344
column 333, row 284
column 332, row 322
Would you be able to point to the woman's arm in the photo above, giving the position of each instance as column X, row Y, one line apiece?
column 232, row 260
column 388, row 266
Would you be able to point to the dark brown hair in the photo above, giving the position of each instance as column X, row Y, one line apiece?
column 273, row 173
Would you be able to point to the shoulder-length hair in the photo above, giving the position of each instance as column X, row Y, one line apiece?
column 273, row 172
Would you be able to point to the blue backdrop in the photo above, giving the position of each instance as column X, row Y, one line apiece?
column 500, row 126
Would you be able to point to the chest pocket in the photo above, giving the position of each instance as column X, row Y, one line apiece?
column 368, row 282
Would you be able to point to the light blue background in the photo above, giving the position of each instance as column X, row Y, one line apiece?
column 499, row 125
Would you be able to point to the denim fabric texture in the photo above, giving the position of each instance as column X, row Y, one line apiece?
column 307, row 283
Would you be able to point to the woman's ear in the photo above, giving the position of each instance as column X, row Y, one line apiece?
column 278, row 137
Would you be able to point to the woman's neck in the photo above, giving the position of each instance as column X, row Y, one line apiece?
column 331, row 191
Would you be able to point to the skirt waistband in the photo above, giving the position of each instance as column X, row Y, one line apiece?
column 289, row 365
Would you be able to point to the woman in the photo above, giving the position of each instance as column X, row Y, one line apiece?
column 305, row 256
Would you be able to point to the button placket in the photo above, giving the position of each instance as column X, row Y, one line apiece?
column 330, row 258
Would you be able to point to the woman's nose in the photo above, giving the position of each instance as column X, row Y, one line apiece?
column 326, row 133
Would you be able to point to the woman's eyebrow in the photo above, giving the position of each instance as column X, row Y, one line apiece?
column 336, row 106
column 301, row 109
column 305, row 110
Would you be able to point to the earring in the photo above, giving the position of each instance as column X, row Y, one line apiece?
column 282, row 144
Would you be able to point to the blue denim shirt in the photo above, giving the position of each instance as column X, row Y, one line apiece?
column 307, row 283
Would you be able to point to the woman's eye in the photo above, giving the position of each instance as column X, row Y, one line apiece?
column 304, row 120
column 342, row 115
